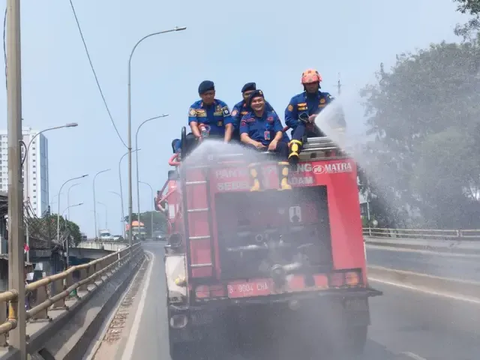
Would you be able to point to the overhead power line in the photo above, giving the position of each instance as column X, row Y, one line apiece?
column 95, row 74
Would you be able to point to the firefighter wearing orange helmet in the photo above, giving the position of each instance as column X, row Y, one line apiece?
column 302, row 111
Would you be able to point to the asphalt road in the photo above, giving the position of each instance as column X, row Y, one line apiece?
column 465, row 267
column 405, row 325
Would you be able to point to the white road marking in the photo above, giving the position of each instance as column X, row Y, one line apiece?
column 406, row 272
column 428, row 291
column 412, row 355
column 127, row 354
column 428, row 252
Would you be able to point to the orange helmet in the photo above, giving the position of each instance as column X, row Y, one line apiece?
column 310, row 76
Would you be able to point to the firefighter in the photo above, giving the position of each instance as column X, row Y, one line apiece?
column 240, row 109
column 262, row 130
column 208, row 117
column 302, row 111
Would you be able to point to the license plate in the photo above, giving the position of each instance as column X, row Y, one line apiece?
column 249, row 288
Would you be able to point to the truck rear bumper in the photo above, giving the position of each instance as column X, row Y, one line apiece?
column 214, row 316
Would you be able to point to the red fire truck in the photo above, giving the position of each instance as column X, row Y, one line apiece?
column 238, row 244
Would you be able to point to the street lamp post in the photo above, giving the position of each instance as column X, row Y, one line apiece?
column 130, row 199
column 122, row 220
column 58, row 207
column 68, row 197
column 67, row 242
column 95, row 201
column 27, row 148
column 136, row 160
column 106, row 213
column 121, row 186
column 153, row 209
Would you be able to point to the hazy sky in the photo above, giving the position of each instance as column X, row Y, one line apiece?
column 229, row 42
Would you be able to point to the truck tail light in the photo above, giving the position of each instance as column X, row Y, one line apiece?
column 350, row 278
column 210, row 291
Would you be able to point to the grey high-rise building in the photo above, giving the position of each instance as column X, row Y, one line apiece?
column 35, row 169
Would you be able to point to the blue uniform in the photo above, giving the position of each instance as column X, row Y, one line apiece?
column 262, row 129
column 240, row 110
column 306, row 103
column 215, row 116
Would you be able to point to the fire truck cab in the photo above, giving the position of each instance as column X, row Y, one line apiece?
column 241, row 248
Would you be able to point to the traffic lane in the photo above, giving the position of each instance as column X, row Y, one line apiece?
column 429, row 326
column 151, row 341
column 403, row 321
column 437, row 264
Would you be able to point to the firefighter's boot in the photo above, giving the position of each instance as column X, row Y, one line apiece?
column 283, row 176
column 293, row 157
column 255, row 173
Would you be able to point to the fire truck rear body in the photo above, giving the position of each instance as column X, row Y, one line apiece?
column 232, row 249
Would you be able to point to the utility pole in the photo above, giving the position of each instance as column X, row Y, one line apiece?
column 16, row 265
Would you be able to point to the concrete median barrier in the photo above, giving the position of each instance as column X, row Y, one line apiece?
column 470, row 289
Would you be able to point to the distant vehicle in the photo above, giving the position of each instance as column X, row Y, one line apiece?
column 118, row 238
column 159, row 236
column 105, row 235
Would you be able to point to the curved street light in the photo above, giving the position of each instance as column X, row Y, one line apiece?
column 121, row 186
column 130, row 198
column 68, row 197
column 58, row 207
column 68, row 208
column 53, row 199
column 67, row 243
column 45, row 130
column 94, row 199
column 122, row 220
column 27, row 148
column 151, row 213
column 136, row 159
column 106, row 213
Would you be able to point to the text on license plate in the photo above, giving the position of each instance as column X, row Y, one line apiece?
column 250, row 288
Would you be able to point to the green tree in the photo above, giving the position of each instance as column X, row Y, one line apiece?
column 424, row 117
column 471, row 7
column 45, row 229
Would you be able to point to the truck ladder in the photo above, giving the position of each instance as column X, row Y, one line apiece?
column 199, row 223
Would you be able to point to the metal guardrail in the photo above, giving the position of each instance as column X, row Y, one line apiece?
column 61, row 286
column 467, row 234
